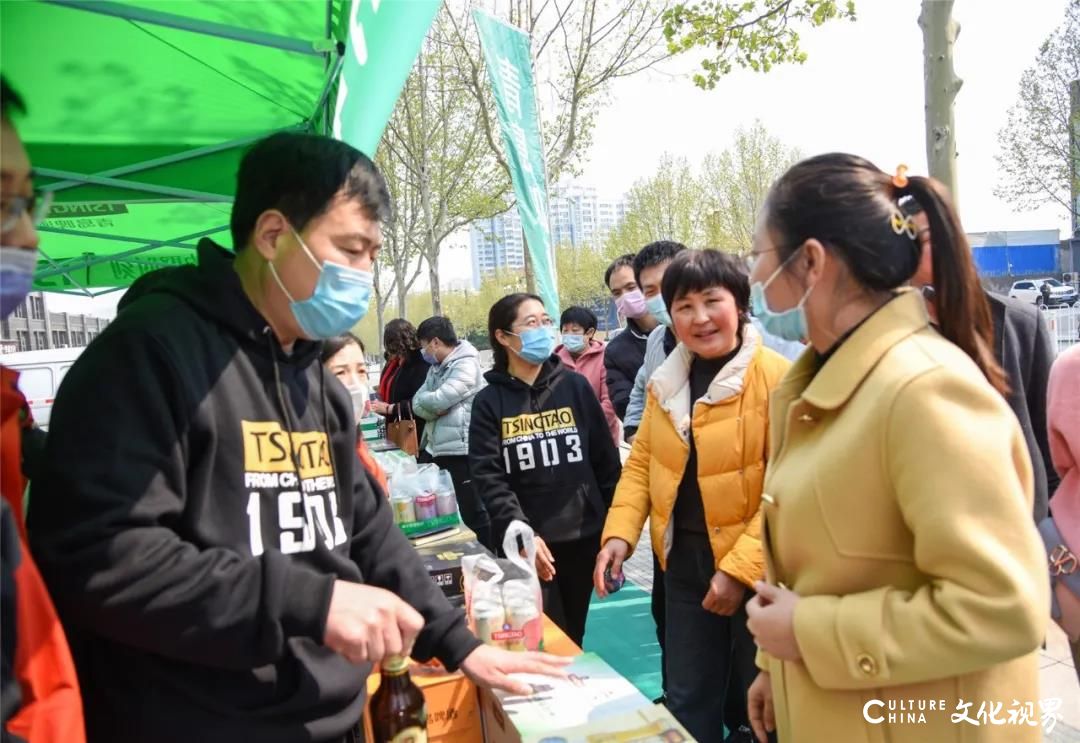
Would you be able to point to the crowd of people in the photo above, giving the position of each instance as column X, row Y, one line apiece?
column 845, row 451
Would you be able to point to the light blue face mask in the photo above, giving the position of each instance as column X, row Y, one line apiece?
column 340, row 299
column 790, row 325
column 574, row 342
column 656, row 307
column 17, row 267
column 536, row 344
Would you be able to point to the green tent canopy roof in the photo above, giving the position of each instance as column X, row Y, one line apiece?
column 139, row 112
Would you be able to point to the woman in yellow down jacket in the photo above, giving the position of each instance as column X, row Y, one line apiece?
column 908, row 587
column 696, row 469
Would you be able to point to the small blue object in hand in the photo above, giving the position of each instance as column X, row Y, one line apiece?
column 611, row 583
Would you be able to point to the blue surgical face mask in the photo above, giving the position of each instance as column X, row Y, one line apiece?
column 574, row 342
column 790, row 325
column 428, row 357
column 656, row 307
column 536, row 344
column 340, row 299
column 16, row 277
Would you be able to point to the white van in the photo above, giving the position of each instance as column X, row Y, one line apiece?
column 40, row 374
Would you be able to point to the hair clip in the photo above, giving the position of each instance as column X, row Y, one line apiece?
column 902, row 225
column 900, row 179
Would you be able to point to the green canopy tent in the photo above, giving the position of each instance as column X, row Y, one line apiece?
column 140, row 110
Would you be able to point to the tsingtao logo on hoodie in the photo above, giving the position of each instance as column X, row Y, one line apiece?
column 548, row 438
column 291, row 510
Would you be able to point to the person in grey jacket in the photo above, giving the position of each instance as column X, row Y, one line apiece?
column 445, row 402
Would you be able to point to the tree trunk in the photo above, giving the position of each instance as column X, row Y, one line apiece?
column 941, row 86
column 1074, row 155
column 530, row 280
column 433, row 277
column 402, row 294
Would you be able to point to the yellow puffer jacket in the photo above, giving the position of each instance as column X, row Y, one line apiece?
column 731, row 431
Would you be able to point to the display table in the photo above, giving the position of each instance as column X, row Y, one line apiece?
column 452, row 700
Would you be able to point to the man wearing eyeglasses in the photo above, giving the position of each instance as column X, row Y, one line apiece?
column 39, row 693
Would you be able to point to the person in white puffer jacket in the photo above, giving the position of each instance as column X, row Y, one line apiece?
column 445, row 402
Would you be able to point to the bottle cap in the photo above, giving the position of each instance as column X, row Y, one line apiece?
column 395, row 664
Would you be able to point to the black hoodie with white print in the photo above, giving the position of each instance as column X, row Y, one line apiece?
column 190, row 550
column 543, row 454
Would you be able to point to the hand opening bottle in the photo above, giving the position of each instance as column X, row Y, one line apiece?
column 398, row 709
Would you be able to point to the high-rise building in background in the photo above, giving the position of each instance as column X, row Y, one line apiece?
column 579, row 218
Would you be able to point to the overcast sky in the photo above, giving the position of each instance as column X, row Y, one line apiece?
column 860, row 91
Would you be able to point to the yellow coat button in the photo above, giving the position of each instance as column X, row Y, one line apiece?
column 867, row 665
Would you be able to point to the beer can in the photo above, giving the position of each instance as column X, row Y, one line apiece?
column 404, row 510
column 519, row 614
column 426, row 507
column 488, row 620
column 446, row 503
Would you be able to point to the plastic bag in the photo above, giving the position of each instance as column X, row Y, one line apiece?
column 502, row 596
column 424, row 501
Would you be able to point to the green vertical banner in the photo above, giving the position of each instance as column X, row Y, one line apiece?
column 384, row 38
column 509, row 62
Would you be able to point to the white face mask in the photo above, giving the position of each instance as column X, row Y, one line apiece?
column 361, row 400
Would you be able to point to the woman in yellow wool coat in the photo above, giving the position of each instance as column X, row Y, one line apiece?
column 697, row 469
column 907, row 585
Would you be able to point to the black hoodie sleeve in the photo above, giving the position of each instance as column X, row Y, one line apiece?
column 619, row 384
column 603, row 454
column 387, row 560
column 113, row 482
column 486, row 465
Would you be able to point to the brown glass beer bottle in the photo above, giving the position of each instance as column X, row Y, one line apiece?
column 398, row 709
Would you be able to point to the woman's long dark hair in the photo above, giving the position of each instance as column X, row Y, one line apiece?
column 848, row 204
column 501, row 316
column 399, row 338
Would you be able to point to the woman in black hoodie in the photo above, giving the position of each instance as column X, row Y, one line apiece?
column 541, row 453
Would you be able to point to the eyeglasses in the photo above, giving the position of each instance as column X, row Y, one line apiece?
column 13, row 208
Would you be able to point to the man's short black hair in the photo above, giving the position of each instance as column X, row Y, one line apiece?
column 437, row 327
column 654, row 254
column 622, row 260
column 10, row 101
column 299, row 175
column 582, row 316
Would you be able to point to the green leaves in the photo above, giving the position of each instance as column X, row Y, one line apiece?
column 714, row 207
column 756, row 35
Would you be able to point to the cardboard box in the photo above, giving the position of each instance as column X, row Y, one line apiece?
column 648, row 725
column 591, row 693
column 443, row 562
column 452, row 705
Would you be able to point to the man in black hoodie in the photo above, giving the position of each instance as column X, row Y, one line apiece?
column 217, row 553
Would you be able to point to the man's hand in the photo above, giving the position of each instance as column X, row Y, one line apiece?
column 490, row 667
column 771, row 620
column 760, row 702
column 725, row 595
column 366, row 624
column 614, row 554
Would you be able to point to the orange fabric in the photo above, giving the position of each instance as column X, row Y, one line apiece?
column 51, row 709
column 371, row 465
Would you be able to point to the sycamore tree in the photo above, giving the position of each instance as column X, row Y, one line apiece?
column 736, row 183
column 755, row 34
column 1036, row 156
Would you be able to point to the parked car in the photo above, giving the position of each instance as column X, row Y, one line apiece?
column 1031, row 290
